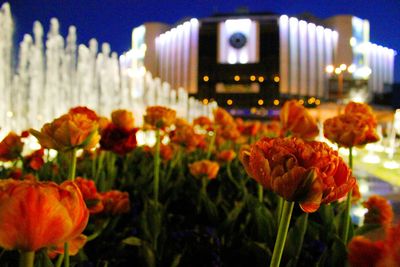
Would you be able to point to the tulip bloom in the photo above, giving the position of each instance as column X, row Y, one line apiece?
column 222, row 117
column 90, row 195
column 379, row 211
column 123, row 119
column 184, row 135
column 116, row 202
column 356, row 127
column 226, row 155
column 11, row 147
column 159, row 117
column 348, row 130
column 118, row 140
column 297, row 121
column 310, row 173
column 76, row 129
column 203, row 122
column 364, row 252
column 204, row 168
column 35, row 215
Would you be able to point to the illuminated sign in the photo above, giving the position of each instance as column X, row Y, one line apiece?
column 238, row 41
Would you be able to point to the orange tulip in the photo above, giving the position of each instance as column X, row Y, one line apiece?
column 379, row 211
column 11, row 147
column 203, row 121
column 222, row 117
column 35, row 215
column 74, row 246
column 116, row 202
column 184, row 135
column 166, row 152
column 159, row 117
column 297, row 121
column 364, row 252
column 348, row 130
column 123, row 119
column 76, row 129
column 226, row 155
column 310, row 173
column 353, row 107
column 204, row 168
column 90, row 195
column 356, row 127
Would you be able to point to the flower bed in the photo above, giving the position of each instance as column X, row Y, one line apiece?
column 219, row 192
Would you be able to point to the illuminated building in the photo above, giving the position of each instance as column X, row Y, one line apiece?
column 247, row 57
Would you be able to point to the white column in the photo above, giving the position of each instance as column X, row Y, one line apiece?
column 186, row 54
column 194, row 50
column 312, row 59
column 294, row 56
column 320, row 61
column 303, row 57
column 284, row 54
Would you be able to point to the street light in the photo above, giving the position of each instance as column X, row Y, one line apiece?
column 339, row 71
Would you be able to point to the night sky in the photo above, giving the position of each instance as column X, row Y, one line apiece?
column 113, row 20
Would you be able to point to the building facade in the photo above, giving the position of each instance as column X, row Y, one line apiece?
column 256, row 60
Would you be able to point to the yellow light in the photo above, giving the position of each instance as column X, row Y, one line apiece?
column 253, row 110
column 276, row 102
column 351, row 68
column 260, row 102
column 276, row 79
column 205, row 101
column 311, row 100
column 317, row 102
column 229, row 102
column 206, row 78
column 236, row 78
column 252, row 78
column 329, row 68
column 261, row 79
column 301, row 102
column 338, row 70
column 343, row 66
column 353, row 41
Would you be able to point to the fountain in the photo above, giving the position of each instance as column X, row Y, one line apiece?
column 55, row 74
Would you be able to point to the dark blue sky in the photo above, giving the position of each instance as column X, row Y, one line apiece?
column 112, row 20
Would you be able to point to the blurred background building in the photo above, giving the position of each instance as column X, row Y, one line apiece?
column 250, row 61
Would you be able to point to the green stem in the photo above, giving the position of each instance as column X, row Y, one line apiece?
column 351, row 157
column 347, row 217
column 211, row 145
column 98, row 232
column 59, row 260
column 232, row 179
column 66, row 254
column 157, row 165
column 204, row 182
column 72, row 166
column 100, row 162
column 279, row 208
column 282, row 233
column 260, row 193
column 26, row 258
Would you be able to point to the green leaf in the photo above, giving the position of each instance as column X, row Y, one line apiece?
column 176, row 261
column 327, row 216
column 132, row 241
column 42, row 259
column 334, row 256
column 295, row 238
column 148, row 254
